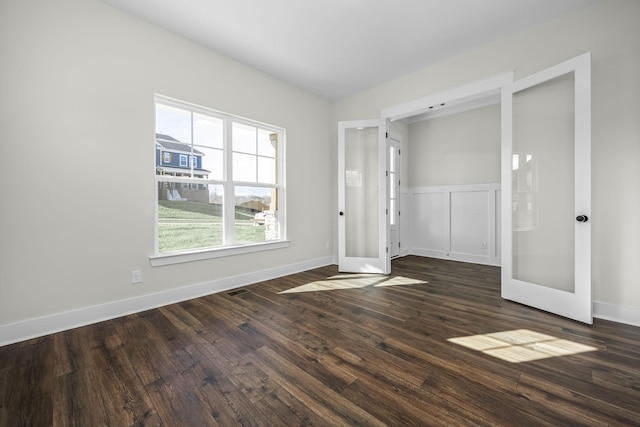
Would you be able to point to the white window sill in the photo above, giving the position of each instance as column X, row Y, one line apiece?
column 180, row 257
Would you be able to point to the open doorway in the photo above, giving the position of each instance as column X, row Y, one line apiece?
column 450, row 199
column 545, row 190
column 454, row 182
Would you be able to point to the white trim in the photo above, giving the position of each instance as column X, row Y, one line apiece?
column 178, row 103
column 218, row 252
column 460, row 257
column 616, row 313
column 33, row 328
column 455, row 188
column 257, row 185
column 462, row 94
column 471, row 103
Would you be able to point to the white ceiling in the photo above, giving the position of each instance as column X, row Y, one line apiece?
column 335, row 48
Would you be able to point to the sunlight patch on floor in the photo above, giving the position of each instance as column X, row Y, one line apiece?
column 521, row 345
column 353, row 281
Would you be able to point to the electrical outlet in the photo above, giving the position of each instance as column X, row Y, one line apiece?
column 136, row 276
column 327, row 245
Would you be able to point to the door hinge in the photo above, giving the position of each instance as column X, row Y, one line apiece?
column 399, row 245
column 386, row 134
column 387, row 249
column 398, row 151
column 386, row 173
column 387, row 211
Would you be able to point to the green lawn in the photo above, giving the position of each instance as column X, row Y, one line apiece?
column 188, row 210
column 193, row 225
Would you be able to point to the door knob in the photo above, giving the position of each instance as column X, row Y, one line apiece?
column 341, row 213
column 582, row 218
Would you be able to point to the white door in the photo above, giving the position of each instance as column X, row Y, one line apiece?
column 394, row 195
column 362, row 197
column 546, row 190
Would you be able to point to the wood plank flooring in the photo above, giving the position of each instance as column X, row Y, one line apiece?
column 367, row 352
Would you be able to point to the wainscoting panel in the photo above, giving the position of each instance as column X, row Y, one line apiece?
column 458, row 222
column 429, row 228
column 469, row 223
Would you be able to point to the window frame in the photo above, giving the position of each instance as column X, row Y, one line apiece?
column 229, row 247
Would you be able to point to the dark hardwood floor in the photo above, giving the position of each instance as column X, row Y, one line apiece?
column 372, row 355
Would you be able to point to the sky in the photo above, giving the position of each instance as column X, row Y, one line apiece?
column 250, row 146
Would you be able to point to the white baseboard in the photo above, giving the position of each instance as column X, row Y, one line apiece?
column 601, row 310
column 616, row 313
column 41, row 326
column 33, row 328
column 475, row 259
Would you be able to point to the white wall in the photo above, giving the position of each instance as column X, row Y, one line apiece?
column 457, row 149
column 77, row 80
column 454, row 177
column 610, row 30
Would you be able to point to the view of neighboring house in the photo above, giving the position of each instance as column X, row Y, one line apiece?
column 175, row 158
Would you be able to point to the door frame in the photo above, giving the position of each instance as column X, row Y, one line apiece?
column 456, row 99
column 472, row 92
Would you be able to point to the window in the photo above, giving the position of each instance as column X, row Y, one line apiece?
column 226, row 190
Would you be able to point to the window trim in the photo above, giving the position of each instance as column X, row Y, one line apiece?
column 173, row 257
column 169, row 258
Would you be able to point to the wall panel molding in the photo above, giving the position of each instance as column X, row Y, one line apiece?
column 456, row 222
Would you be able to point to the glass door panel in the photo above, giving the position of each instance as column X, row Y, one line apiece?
column 361, row 193
column 362, row 197
column 543, row 184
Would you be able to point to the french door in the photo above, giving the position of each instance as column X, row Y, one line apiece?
column 363, row 220
column 546, row 190
column 394, row 195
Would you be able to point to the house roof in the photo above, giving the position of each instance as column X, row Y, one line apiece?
column 166, row 137
column 170, row 143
